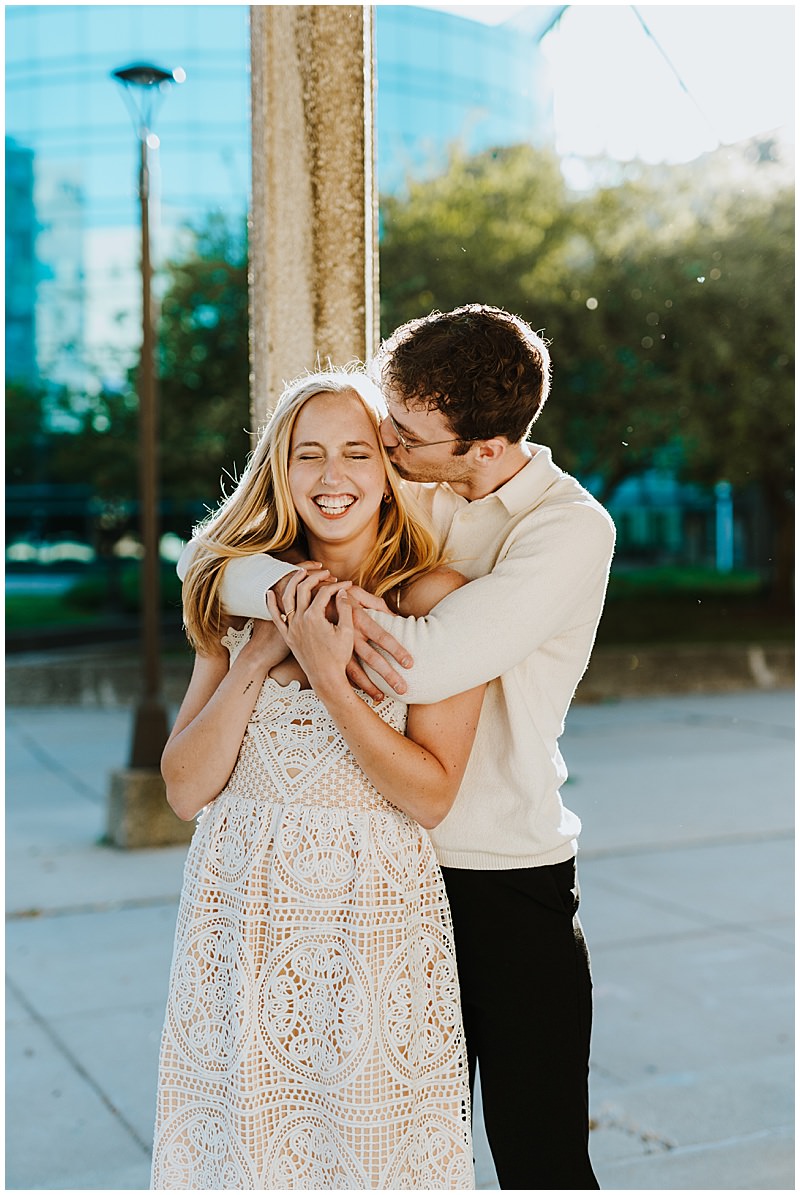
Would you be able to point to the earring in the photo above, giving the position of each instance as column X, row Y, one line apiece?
column 387, row 497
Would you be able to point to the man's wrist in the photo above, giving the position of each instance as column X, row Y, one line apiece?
column 246, row 580
column 278, row 590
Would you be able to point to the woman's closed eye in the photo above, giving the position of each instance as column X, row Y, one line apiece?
column 317, row 457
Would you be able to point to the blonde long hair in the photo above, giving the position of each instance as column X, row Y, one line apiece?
column 259, row 515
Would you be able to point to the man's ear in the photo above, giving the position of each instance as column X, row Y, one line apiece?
column 489, row 452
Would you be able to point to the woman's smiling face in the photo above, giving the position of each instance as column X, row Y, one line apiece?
column 336, row 471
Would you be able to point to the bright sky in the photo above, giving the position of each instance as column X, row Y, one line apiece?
column 615, row 93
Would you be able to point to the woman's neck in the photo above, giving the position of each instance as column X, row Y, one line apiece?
column 342, row 564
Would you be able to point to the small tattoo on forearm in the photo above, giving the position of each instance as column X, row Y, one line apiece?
column 247, row 686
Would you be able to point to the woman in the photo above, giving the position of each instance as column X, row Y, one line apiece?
column 313, row 1033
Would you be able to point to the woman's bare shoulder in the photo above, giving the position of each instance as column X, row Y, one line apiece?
column 422, row 595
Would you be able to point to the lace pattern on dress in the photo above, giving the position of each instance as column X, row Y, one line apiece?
column 313, row 1036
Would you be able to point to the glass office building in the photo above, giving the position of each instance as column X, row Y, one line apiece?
column 64, row 110
column 72, row 250
column 445, row 81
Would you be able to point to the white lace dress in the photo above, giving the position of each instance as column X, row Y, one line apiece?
column 313, row 1036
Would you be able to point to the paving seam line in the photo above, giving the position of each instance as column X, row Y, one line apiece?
column 744, row 838
column 731, row 722
column 77, row 1066
column 48, row 761
column 699, row 1147
column 104, row 906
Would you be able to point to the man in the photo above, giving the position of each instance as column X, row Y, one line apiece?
column 463, row 389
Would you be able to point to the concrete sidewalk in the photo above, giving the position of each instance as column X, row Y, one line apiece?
column 686, row 876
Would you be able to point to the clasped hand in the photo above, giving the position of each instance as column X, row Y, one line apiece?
column 311, row 583
column 316, row 624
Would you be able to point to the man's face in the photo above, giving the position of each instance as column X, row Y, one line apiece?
column 420, row 444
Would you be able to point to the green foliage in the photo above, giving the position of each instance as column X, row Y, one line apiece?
column 203, row 392
column 92, row 593
column 101, row 447
column 100, row 444
column 27, row 611
column 645, row 606
column 25, row 432
column 649, row 618
column 108, row 594
column 204, row 364
column 690, row 604
column 492, row 229
column 667, row 300
column 694, row 580
column 652, row 366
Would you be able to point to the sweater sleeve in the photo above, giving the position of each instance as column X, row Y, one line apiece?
column 551, row 578
column 245, row 581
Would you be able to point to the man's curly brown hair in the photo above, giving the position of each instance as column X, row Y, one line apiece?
column 486, row 370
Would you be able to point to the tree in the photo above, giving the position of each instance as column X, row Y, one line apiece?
column 204, row 364
column 739, row 383
column 25, row 433
column 60, row 437
column 666, row 298
column 101, row 446
column 492, row 229
column 502, row 228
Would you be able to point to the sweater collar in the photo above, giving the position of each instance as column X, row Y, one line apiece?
column 524, row 489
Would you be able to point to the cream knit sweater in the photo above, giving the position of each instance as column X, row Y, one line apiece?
column 537, row 552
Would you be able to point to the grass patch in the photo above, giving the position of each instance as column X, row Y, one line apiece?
column 690, row 605
column 30, row 611
column 644, row 606
column 686, row 581
column 120, row 594
column 691, row 620
column 95, row 598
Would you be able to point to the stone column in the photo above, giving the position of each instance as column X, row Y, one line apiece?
column 313, row 232
column 313, row 251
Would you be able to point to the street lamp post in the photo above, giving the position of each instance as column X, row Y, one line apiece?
column 143, row 87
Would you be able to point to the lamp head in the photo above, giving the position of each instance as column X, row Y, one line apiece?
column 144, row 74
column 143, row 85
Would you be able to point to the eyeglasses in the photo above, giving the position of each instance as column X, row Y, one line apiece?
column 423, row 443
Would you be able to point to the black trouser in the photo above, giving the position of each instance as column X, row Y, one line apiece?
column 526, row 992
